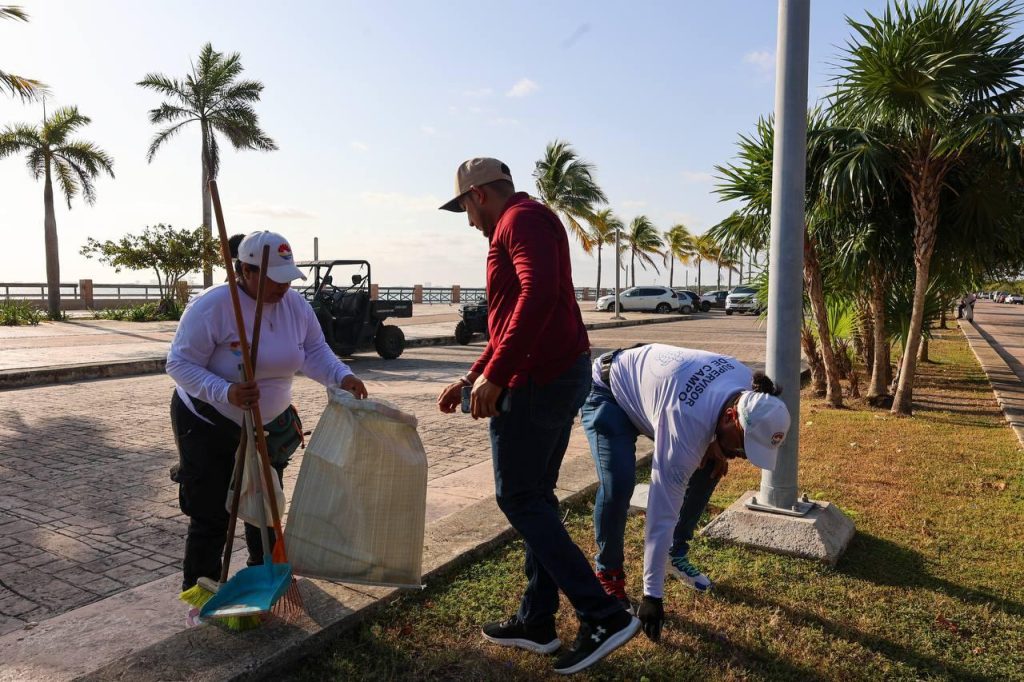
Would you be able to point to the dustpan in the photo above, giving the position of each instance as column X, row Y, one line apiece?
column 250, row 592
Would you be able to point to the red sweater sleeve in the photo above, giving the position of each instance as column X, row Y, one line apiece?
column 532, row 246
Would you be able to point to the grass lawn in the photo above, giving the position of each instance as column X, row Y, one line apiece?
column 932, row 586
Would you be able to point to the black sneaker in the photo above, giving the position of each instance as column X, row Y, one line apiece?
column 596, row 640
column 540, row 639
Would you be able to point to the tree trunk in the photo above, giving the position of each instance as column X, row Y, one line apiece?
column 879, row 385
column 816, row 293
column 942, row 319
column 818, row 382
column 52, row 252
column 730, row 279
column 632, row 269
column 926, row 216
column 719, row 283
column 922, row 352
column 671, row 271
column 598, row 295
column 207, row 201
column 699, row 292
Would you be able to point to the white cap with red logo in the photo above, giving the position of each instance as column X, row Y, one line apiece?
column 281, row 265
column 765, row 421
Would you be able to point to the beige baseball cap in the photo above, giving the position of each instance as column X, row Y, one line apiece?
column 474, row 173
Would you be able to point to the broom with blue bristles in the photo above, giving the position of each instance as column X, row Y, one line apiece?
column 205, row 588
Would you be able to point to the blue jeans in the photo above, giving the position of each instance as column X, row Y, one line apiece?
column 612, row 439
column 527, row 446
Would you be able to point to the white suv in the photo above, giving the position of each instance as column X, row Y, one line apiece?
column 657, row 299
column 742, row 300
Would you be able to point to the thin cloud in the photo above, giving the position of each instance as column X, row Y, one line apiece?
column 277, row 211
column 523, row 88
column 401, row 202
column 359, row 146
column 763, row 62
column 696, row 177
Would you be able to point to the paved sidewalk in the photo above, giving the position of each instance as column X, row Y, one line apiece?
column 80, row 349
column 91, row 536
column 997, row 338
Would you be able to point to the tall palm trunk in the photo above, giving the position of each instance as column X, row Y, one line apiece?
column 52, row 252
column 816, row 294
column 632, row 269
column 879, row 386
column 926, row 216
column 671, row 271
column 699, row 292
column 207, row 201
column 718, row 285
column 598, row 294
column 730, row 277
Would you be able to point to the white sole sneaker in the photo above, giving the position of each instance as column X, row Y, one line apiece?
column 692, row 583
column 611, row 644
column 528, row 644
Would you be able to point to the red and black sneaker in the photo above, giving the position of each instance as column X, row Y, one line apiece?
column 613, row 580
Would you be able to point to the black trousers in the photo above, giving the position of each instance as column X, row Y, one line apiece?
column 206, row 457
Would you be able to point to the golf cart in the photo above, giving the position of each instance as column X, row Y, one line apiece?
column 474, row 321
column 350, row 319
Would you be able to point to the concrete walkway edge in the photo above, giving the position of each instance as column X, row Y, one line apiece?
column 1007, row 385
column 211, row 653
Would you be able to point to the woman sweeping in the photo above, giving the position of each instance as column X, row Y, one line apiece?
column 209, row 397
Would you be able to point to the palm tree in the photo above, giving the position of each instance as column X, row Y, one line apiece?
column 603, row 224
column 704, row 249
column 566, row 184
column 76, row 163
column 19, row 86
column 642, row 240
column 213, row 97
column 924, row 88
column 678, row 246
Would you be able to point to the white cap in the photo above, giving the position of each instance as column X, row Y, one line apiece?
column 281, row 266
column 765, row 421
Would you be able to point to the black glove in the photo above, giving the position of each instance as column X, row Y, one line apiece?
column 651, row 615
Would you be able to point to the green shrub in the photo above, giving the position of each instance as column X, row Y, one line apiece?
column 15, row 313
column 145, row 312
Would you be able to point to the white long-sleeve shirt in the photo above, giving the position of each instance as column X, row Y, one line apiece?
column 673, row 395
column 205, row 356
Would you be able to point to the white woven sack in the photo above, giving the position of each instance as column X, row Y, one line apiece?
column 359, row 505
column 252, row 485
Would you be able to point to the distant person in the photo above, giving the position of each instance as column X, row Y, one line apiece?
column 702, row 409
column 210, row 395
column 539, row 353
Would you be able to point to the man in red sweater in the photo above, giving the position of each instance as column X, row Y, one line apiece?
column 539, row 354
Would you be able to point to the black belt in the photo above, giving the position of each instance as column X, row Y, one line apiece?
column 606, row 363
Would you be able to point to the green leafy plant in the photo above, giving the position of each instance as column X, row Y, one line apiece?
column 16, row 313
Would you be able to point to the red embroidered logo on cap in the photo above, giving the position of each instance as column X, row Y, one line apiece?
column 777, row 438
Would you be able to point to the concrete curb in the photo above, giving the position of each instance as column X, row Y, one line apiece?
column 1006, row 383
column 41, row 376
column 210, row 653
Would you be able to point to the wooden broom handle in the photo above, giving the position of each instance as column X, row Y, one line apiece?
column 247, row 370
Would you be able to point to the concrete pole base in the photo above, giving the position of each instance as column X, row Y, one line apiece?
column 822, row 535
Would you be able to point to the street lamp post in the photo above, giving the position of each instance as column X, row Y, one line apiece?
column 618, row 270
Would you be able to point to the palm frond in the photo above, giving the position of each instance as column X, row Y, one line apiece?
column 163, row 136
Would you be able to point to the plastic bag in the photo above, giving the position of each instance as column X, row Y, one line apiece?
column 252, row 483
column 359, row 505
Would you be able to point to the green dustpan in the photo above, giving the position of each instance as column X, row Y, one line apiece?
column 250, row 592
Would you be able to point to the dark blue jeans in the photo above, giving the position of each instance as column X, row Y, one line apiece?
column 527, row 446
column 612, row 439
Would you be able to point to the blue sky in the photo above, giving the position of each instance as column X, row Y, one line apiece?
column 373, row 105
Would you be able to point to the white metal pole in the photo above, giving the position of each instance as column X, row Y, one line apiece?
column 786, row 257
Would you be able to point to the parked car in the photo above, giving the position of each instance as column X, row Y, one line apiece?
column 653, row 298
column 742, row 300
column 713, row 299
column 1015, row 298
column 688, row 301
